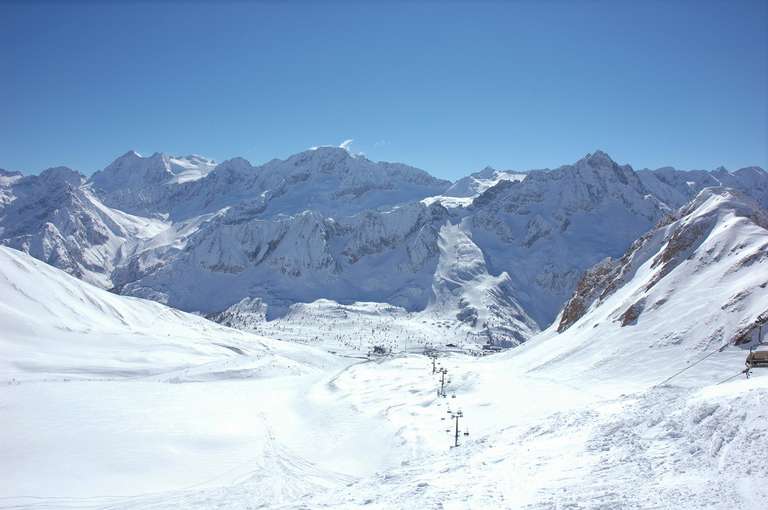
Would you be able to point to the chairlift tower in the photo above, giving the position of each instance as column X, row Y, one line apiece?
column 443, row 372
column 456, row 417
column 433, row 356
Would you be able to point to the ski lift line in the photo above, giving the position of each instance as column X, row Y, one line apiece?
column 761, row 320
column 665, row 381
column 733, row 376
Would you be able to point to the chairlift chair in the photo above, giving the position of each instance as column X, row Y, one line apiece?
column 757, row 359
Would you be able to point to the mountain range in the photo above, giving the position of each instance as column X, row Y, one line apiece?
column 494, row 256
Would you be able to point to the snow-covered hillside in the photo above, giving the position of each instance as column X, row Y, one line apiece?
column 697, row 282
column 107, row 395
column 55, row 326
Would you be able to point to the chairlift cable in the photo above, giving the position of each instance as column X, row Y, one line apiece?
column 719, row 349
column 732, row 377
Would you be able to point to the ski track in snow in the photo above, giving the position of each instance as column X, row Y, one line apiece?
column 369, row 434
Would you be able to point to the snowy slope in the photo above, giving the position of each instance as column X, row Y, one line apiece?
column 56, row 326
column 465, row 290
column 694, row 284
column 106, row 396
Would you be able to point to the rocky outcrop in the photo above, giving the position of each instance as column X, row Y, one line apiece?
column 675, row 240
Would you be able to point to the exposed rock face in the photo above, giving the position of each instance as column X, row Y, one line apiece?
column 676, row 240
column 590, row 287
column 630, row 316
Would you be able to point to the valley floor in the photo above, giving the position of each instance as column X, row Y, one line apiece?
column 354, row 433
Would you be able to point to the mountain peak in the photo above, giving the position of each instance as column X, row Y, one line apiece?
column 598, row 158
column 486, row 173
column 132, row 172
column 326, row 150
column 131, row 154
column 64, row 174
column 236, row 164
column 9, row 173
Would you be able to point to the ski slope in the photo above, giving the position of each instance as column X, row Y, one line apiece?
column 106, row 396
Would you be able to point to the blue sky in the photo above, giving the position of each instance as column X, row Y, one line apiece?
column 448, row 87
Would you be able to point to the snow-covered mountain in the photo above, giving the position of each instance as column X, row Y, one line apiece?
column 328, row 180
column 137, row 184
column 546, row 230
column 56, row 218
column 326, row 225
column 476, row 183
column 676, row 187
column 697, row 281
